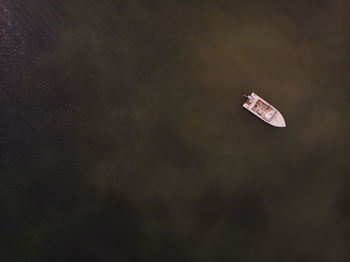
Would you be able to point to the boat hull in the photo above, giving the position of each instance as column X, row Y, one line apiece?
column 265, row 111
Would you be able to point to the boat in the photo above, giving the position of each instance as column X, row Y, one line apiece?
column 263, row 110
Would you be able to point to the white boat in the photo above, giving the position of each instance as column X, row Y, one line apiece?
column 266, row 112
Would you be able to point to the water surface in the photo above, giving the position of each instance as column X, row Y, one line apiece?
column 123, row 136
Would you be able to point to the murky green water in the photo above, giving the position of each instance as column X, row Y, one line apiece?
column 123, row 136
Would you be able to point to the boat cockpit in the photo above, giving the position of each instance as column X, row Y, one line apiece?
column 263, row 110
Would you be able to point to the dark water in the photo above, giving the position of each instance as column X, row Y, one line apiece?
column 122, row 136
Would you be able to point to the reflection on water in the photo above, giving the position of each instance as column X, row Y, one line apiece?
column 123, row 135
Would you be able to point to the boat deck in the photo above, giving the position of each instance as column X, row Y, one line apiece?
column 264, row 110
